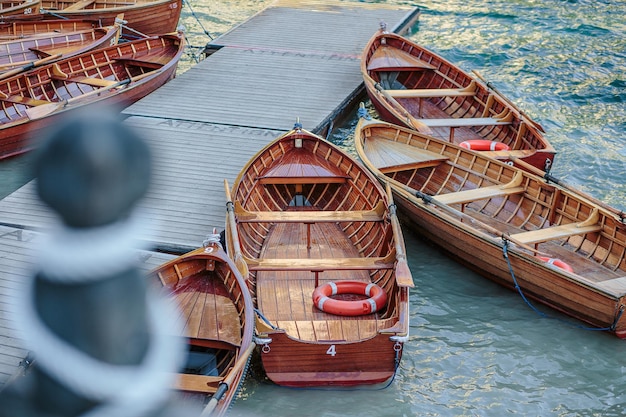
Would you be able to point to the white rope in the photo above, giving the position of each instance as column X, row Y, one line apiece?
column 212, row 238
column 125, row 390
column 74, row 255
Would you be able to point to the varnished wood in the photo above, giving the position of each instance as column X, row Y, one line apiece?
column 70, row 84
column 502, row 203
column 295, row 235
column 148, row 17
column 215, row 308
column 412, row 86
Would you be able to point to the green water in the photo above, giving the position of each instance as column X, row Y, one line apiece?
column 477, row 349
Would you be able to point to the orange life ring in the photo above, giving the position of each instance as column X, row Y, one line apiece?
column 557, row 262
column 322, row 300
column 484, row 145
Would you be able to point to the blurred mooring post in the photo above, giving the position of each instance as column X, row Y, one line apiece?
column 102, row 343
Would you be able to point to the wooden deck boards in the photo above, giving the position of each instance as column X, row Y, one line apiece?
column 286, row 298
column 205, row 124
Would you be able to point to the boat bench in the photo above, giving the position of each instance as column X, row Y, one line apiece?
column 320, row 265
column 139, row 63
column 27, row 101
column 512, row 187
column 306, row 216
column 466, row 122
column 79, row 5
column 317, row 265
column 481, row 193
column 467, row 196
column 58, row 74
column 197, row 383
column 559, row 232
column 470, row 90
column 453, row 122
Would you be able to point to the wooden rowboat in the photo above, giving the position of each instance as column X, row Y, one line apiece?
column 19, row 8
column 217, row 314
column 148, row 17
column 19, row 29
column 561, row 247
column 23, row 54
column 305, row 216
column 412, row 86
column 115, row 76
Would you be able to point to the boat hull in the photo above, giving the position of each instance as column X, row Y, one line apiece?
column 294, row 363
column 411, row 86
column 306, row 215
column 146, row 17
column 484, row 256
column 24, row 134
column 215, row 308
column 478, row 210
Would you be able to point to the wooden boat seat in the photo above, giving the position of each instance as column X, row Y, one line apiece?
column 391, row 156
column 197, row 383
column 481, row 193
column 58, row 74
column 318, row 265
column 387, row 58
column 95, row 82
column 27, row 101
column 559, row 232
column 139, row 63
column 373, row 215
column 466, row 122
column 470, row 90
column 79, row 5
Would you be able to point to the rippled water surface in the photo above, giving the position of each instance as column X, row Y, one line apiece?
column 477, row 349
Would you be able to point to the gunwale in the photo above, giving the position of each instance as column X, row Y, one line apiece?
column 296, row 256
column 18, row 29
column 534, row 217
column 115, row 76
column 19, row 8
column 148, row 17
column 24, row 53
column 216, row 310
column 425, row 91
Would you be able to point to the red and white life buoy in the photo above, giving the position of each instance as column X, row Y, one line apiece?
column 484, row 145
column 322, row 300
column 556, row 262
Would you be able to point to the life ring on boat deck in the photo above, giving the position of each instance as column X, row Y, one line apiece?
column 484, row 145
column 556, row 262
column 322, row 300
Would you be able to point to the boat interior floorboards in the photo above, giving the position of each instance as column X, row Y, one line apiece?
column 285, row 297
column 558, row 249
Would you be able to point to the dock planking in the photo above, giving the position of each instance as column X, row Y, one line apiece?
column 293, row 60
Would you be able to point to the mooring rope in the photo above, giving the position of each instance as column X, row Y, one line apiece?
column 505, row 250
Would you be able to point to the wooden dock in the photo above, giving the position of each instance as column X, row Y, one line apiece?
column 294, row 60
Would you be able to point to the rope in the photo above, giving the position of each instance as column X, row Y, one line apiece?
column 58, row 16
column 258, row 313
column 212, row 239
column 197, row 19
column 505, row 250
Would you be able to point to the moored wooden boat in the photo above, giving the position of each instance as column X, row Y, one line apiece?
column 19, row 29
column 19, row 8
column 148, row 17
column 217, row 318
column 412, row 86
column 23, row 54
column 115, row 76
column 305, row 216
column 561, row 247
